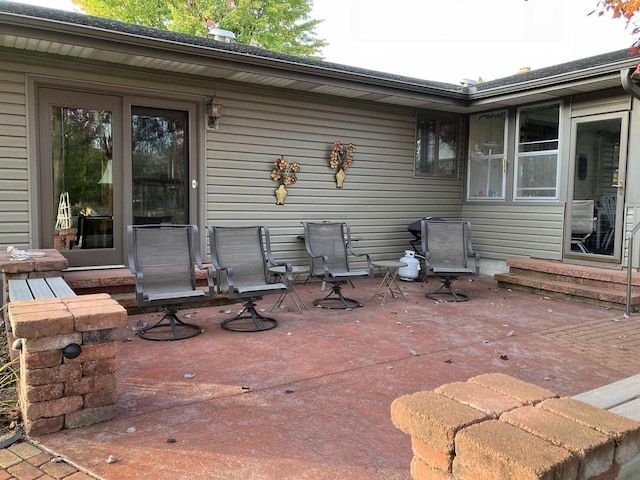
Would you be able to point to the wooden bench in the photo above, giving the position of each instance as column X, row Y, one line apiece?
column 622, row 398
column 37, row 288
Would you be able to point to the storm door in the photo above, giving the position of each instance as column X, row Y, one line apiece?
column 596, row 201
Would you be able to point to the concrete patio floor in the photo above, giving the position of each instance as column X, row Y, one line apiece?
column 321, row 383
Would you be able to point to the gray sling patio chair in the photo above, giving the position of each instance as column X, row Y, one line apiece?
column 163, row 259
column 448, row 254
column 329, row 246
column 241, row 257
column 583, row 223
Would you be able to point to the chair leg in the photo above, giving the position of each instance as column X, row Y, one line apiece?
column 249, row 320
column 178, row 330
column 338, row 301
column 447, row 291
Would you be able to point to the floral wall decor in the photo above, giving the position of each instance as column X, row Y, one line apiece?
column 285, row 173
column 341, row 159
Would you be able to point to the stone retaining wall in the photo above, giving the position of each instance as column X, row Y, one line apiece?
column 57, row 391
column 496, row 427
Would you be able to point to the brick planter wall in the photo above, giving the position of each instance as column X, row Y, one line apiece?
column 57, row 392
column 496, row 427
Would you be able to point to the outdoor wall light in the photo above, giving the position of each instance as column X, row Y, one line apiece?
column 214, row 112
column 71, row 351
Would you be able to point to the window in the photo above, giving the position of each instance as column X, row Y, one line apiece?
column 437, row 147
column 536, row 159
column 487, row 162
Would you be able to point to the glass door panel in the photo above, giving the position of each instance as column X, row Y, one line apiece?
column 597, row 202
column 82, row 160
column 160, row 158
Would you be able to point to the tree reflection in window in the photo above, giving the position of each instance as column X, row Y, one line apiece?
column 82, row 149
column 159, row 154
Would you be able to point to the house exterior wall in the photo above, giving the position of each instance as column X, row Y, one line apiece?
column 632, row 190
column 14, row 180
column 500, row 232
column 380, row 195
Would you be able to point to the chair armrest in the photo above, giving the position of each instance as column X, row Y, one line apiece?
column 229, row 277
column 325, row 261
column 353, row 252
column 288, row 269
column 210, row 273
column 357, row 254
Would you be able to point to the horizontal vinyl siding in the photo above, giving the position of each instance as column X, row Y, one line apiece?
column 380, row 196
column 500, row 232
column 14, row 179
column 632, row 217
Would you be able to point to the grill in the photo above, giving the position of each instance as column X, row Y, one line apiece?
column 415, row 228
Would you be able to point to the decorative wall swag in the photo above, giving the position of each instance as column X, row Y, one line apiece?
column 285, row 173
column 341, row 158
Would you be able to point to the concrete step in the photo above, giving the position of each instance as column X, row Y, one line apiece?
column 593, row 285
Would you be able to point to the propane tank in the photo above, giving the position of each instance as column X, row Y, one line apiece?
column 410, row 272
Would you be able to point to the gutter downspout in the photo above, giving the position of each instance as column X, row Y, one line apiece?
column 627, row 80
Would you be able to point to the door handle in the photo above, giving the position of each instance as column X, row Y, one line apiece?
column 194, row 183
column 619, row 186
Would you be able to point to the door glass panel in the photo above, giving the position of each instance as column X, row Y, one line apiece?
column 81, row 154
column 597, row 157
column 159, row 162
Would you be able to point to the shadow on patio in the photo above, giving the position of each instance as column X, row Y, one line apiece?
column 321, row 384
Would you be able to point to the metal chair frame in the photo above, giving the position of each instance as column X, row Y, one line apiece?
column 163, row 259
column 448, row 254
column 241, row 257
column 329, row 246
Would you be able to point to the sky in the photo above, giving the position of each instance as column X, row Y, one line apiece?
column 452, row 40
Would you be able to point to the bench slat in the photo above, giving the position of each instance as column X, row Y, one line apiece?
column 39, row 288
column 59, row 287
column 613, row 394
column 35, row 288
column 19, row 290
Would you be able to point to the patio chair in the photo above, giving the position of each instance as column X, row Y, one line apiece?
column 163, row 260
column 582, row 223
column 448, row 254
column 241, row 257
column 329, row 247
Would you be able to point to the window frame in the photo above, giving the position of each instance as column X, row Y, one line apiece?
column 424, row 117
column 488, row 196
column 519, row 156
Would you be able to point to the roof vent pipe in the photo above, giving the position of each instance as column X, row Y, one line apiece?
column 467, row 82
column 222, row 35
column 468, row 85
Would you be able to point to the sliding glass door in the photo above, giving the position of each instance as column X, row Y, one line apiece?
column 105, row 162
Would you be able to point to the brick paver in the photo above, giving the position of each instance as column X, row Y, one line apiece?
column 25, row 461
column 613, row 342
